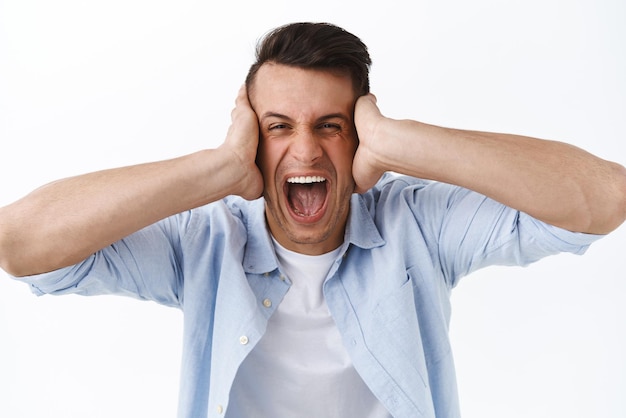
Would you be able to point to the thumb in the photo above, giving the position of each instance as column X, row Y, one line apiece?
column 365, row 174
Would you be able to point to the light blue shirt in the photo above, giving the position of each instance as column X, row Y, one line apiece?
column 407, row 244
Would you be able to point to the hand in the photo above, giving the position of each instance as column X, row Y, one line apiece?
column 242, row 140
column 366, row 168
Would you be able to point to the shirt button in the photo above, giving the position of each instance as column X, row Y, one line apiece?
column 220, row 409
column 243, row 340
column 267, row 303
column 282, row 277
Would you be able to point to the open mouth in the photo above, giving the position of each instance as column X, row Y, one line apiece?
column 306, row 195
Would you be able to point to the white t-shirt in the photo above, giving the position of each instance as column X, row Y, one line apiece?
column 300, row 367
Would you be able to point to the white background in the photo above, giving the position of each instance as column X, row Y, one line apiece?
column 86, row 85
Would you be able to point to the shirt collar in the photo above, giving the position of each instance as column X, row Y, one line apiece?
column 361, row 230
column 259, row 254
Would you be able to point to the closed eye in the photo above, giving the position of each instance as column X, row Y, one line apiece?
column 330, row 127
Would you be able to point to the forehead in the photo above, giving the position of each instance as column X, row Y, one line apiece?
column 286, row 89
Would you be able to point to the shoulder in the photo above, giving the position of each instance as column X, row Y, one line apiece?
column 228, row 214
column 394, row 189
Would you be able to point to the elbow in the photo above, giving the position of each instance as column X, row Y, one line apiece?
column 6, row 258
column 14, row 252
column 610, row 206
column 10, row 257
column 22, row 255
column 621, row 193
column 8, row 253
column 19, row 260
column 600, row 206
column 16, row 263
column 11, row 269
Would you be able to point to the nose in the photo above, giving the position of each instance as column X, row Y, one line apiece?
column 306, row 147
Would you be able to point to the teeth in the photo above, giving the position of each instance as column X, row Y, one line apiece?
column 306, row 179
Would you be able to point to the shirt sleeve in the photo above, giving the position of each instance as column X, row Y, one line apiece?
column 471, row 231
column 145, row 265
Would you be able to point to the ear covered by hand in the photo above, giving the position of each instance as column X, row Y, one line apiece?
column 366, row 167
column 242, row 139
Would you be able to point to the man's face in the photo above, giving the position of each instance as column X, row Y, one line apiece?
column 308, row 141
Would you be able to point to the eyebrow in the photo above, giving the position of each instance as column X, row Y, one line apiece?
column 320, row 119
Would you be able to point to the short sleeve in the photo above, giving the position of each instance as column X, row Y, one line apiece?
column 145, row 265
column 465, row 231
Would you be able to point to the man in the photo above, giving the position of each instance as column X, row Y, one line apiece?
column 314, row 300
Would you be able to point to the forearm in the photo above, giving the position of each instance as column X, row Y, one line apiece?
column 552, row 181
column 64, row 222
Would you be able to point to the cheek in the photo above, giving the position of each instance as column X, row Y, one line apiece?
column 267, row 161
column 342, row 159
column 262, row 155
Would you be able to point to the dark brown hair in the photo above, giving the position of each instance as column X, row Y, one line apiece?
column 320, row 46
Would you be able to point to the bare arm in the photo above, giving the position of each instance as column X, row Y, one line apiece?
column 65, row 221
column 552, row 181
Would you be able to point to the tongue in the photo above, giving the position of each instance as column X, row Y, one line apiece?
column 307, row 199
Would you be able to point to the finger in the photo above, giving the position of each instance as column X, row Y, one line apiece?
column 242, row 95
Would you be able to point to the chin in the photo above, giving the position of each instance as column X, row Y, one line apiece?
column 308, row 238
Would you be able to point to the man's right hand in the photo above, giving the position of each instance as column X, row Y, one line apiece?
column 242, row 140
